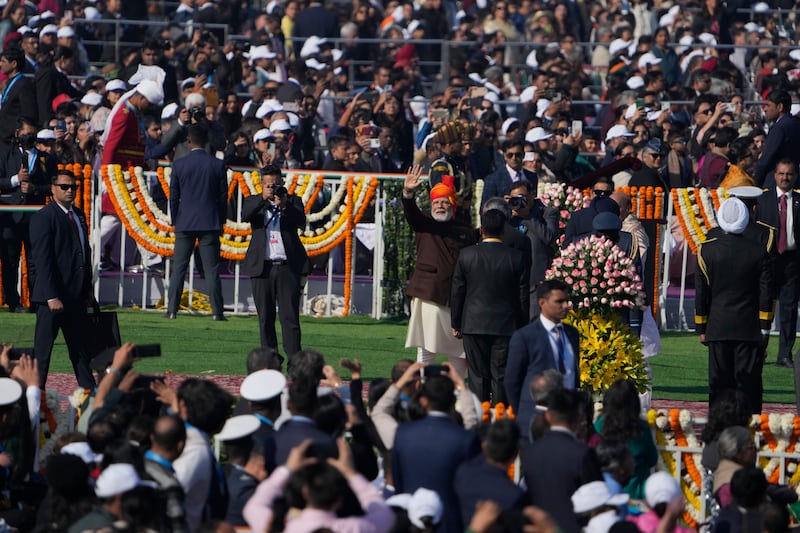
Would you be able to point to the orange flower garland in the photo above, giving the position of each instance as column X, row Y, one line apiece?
column 315, row 195
column 680, row 438
column 703, row 214
column 150, row 218
column 162, row 180
column 348, row 248
column 772, row 444
column 237, row 180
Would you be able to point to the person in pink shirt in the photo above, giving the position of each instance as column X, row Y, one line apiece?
column 659, row 490
column 322, row 492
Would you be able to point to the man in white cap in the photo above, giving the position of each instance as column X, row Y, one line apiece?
column 733, row 305
column 262, row 390
column 112, row 485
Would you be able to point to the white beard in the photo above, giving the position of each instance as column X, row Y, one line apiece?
column 442, row 217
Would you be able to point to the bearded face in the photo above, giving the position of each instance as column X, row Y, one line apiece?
column 441, row 210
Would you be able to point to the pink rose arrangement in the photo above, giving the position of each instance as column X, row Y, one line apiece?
column 603, row 278
column 566, row 199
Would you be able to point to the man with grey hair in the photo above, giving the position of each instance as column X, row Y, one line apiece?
column 194, row 112
column 541, row 387
column 736, row 450
column 733, row 305
column 511, row 236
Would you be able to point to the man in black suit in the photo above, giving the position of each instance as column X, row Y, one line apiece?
column 198, row 202
column 783, row 138
column 501, row 181
column 539, row 224
column 488, row 301
column 779, row 207
column 733, row 305
column 51, row 80
column 62, row 256
column 276, row 260
column 544, row 343
column 18, row 98
column 579, row 224
column 26, row 171
column 417, row 463
column 486, row 476
column 556, row 465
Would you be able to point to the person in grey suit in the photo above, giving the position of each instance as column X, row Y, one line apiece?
column 540, row 225
column 544, row 343
column 276, row 261
column 198, row 202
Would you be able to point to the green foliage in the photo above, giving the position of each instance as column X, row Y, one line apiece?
column 399, row 252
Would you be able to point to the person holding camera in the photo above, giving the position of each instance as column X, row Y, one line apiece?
column 540, row 225
column 194, row 113
column 276, row 260
column 198, row 204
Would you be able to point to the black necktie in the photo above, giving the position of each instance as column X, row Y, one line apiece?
column 560, row 348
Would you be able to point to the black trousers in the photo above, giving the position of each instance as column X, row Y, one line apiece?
column 736, row 365
column 72, row 323
column 486, row 362
column 278, row 285
column 12, row 237
column 787, row 277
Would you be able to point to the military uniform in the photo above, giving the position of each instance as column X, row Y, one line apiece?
column 241, row 486
column 448, row 165
column 734, row 287
column 124, row 145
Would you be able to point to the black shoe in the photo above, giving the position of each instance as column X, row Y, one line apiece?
column 219, row 318
column 170, row 316
column 20, row 309
column 786, row 363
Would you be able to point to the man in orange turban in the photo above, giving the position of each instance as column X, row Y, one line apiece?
column 439, row 238
column 452, row 138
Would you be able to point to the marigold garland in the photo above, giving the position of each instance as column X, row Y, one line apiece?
column 348, row 248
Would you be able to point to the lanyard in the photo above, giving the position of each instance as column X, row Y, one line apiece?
column 264, row 420
column 32, row 161
column 160, row 460
column 9, row 86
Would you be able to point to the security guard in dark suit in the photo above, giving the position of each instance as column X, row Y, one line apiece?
column 734, row 286
column 452, row 137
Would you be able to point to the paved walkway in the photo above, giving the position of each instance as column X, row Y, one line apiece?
column 64, row 383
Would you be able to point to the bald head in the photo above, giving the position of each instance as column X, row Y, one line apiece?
column 624, row 203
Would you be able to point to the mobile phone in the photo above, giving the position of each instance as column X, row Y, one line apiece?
column 730, row 107
column 16, row 353
column 271, row 149
column 577, row 127
column 556, row 98
column 144, row 381
column 640, row 103
column 61, row 125
column 387, row 88
column 665, row 106
column 434, row 370
column 374, row 144
column 478, row 92
column 344, row 393
column 147, row 350
column 291, row 106
column 440, row 114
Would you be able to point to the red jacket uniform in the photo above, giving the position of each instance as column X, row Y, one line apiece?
column 124, row 145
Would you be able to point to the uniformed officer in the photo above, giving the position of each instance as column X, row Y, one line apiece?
column 733, row 304
column 451, row 138
column 245, row 464
column 263, row 391
column 756, row 230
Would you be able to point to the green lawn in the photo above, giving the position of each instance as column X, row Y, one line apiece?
column 198, row 345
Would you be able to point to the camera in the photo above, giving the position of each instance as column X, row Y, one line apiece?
column 281, row 192
column 517, row 202
column 196, row 115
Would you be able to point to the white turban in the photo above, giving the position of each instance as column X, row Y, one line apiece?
column 733, row 216
column 151, row 90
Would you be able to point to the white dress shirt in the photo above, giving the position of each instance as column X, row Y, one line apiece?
column 570, row 380
column 790, row 244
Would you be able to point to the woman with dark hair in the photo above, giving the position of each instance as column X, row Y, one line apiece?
column 390, row 114
column 730, row 408
column 333, row 417
column 621, row 420
column 669, row 59
column 69, row 496
column 239, row 152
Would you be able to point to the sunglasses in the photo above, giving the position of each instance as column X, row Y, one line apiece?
column 67, row 187
column 656, row 156
column 601, row 192
column 514, row 155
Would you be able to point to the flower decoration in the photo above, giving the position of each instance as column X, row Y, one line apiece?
column 609, row 350
column 603, row 278
column 695, row 210
column 566, row 199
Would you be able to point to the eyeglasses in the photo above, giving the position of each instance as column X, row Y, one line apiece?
column 656, row 155
column 514, row 155
column 706, row 111
column 67, row 187
column 240, row 146
column 269, row 185
column 601, row 192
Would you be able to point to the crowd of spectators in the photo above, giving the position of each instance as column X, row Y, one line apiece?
column 309, row 454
